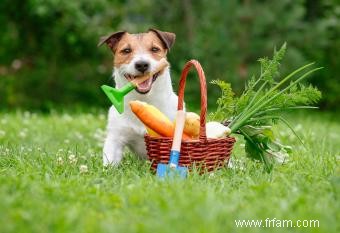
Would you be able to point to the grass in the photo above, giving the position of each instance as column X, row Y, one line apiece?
column 52, row 180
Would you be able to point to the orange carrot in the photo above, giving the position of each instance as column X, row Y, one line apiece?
column 154, row 119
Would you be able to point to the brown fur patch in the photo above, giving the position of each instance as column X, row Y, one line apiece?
column 138, row 43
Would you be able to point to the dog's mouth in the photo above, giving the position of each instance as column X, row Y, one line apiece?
column 145, row 86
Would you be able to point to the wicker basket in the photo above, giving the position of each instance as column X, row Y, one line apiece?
column 207, row 154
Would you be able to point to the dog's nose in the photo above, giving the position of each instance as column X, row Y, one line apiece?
column 142, row 66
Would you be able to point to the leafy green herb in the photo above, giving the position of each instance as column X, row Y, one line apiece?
column 261, row 106
column 225, row 103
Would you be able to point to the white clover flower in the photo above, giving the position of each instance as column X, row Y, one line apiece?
column 60, row 161
column 72, row 158
column 66, row 141
column 83, row 168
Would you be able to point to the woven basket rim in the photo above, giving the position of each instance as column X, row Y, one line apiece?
column 191, row 140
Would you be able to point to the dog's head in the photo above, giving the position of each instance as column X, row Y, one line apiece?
column 136, row 54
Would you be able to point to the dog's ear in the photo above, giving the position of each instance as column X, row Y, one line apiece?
column 168, row 38
column 111, row 40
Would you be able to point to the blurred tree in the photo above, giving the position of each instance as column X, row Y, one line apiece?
column 48, row 53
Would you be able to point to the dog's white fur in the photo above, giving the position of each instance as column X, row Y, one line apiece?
column 125, row 129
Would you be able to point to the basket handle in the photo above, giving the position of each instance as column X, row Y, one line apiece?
column 203, row 86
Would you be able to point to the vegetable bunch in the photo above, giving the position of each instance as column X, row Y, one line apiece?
column 261, row 106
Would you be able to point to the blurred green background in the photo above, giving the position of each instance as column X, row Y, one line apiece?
column 49, row 58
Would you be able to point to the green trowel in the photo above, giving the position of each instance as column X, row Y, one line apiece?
column 116, row 96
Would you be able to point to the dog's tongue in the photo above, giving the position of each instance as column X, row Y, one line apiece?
column 145, row 86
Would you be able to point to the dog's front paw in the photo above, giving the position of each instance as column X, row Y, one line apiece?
column 112, row 153
column 109, row 162
column 111, row 159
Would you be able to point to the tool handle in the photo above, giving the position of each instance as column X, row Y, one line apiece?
column 180, row 119
column 174, row 158
column 140, row 79
column 127, row 88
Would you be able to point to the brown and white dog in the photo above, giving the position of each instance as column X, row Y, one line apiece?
column 134, row 55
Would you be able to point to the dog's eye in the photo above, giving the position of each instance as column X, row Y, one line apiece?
column 155, row 49
column 126, row 51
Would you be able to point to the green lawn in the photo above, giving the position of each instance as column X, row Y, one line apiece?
column 45, row 187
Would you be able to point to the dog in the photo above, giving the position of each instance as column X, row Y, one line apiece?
column 135, row 55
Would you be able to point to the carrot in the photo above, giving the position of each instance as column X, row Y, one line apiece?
column 154, row 119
